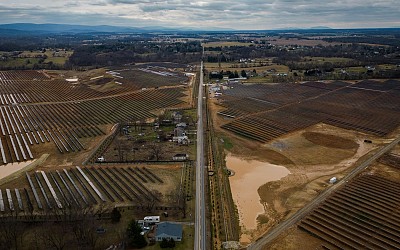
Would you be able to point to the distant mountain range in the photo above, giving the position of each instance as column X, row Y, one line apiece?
column 311, row 28
column 50, row 28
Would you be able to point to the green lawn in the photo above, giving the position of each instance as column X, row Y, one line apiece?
column 327, row 59
column 19, row 62
column 30, row 58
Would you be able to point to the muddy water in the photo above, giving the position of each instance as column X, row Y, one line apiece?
column 6, row 170
column 249, row 176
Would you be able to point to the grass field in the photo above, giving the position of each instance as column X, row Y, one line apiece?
column 301, row 42
column 28, row 58
column 327, row 59
column 19, row 62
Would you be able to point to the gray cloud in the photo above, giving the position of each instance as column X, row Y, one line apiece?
column 238, row 14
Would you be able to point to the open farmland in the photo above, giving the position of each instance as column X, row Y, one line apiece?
column 36, row 109
column 148, row 77
column 367, row 106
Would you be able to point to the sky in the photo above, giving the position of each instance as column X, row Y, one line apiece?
column 206, row 14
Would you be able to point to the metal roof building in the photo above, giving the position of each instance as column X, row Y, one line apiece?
column 168, row 231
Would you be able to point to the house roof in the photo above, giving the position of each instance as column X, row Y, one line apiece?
column 181, row 124
column 167, row 229
column 181, row 155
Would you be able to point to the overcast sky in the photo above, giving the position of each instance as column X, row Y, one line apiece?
column 237, row 14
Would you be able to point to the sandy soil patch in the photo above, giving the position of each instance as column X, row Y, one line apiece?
column 249, row 175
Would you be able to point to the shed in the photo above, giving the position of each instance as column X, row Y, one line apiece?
column 180, row 157
column 168, row 231
column 333, row 180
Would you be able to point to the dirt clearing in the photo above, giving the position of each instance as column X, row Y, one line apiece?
column 312, row 156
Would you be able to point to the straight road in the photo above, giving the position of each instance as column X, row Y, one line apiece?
column 200, row 222
column 318, row 200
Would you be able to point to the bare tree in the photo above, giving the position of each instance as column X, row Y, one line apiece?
column 178, row 197
column 55, row 234
column 153, row 200
column 85, row 234
column 156, row 151
column 11, row 233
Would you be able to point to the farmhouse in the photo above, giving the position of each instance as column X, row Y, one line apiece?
column 177, row 117
column 179, row 135
column 168, row 231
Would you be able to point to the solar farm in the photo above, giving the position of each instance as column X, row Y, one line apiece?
column 81, row 187
column 274, row 122
column 264, row 112
column 37, row 109
column 362, row 215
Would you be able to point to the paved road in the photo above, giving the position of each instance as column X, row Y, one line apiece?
column 200, row 222
column 318, row 200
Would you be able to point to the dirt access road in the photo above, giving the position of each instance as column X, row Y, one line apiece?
column 275, row 232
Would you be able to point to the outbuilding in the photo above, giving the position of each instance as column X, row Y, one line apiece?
column 180, row 157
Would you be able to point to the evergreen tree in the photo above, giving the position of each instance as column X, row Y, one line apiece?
column 135, row 239
column 115, row 215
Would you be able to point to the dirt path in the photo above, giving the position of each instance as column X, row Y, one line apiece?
column 318, row 200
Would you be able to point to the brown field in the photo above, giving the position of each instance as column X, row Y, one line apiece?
column 300, row 42
column 330, row 141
